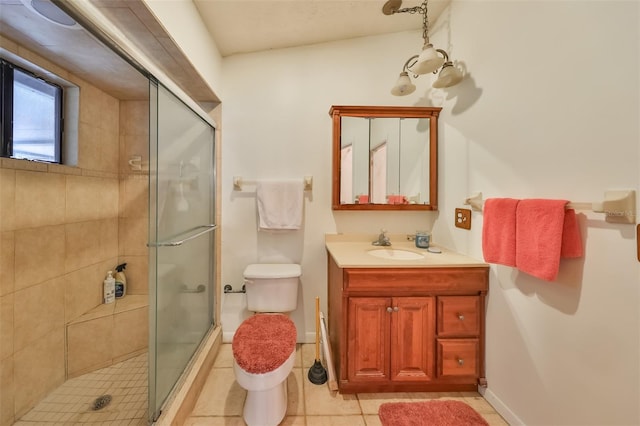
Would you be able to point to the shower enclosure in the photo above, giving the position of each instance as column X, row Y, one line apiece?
column 181, row 238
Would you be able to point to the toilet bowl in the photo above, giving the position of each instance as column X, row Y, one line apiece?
column 264, row 345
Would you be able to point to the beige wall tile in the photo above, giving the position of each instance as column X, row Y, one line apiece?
column 88, row 146
column 83, row 290
column 136, row 196
column 38, row 369
column 89, row 104
column 108, row 238
column 131, row 331
column 7, row 199
column 133, row 236
column 40, row 199
column 38, row 310
column 91, row 198
column 134, row 118
column 7, row 262
column 8, row 44
column 133, row 145
column 109, row 150
column 110, row 117
column 39, row 255
column 6, row 326
column 8, row 390
column 82, row 245
column 137, row 274
column 89, row 344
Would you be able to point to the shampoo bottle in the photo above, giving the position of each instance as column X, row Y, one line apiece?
column 109, row 288
column 121, row 281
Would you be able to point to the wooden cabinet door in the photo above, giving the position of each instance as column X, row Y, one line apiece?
column 368, row 341
column 412, row 339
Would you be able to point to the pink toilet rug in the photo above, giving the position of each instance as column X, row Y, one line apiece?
column 264, row 342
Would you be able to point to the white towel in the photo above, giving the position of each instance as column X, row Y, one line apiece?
column 280, row 204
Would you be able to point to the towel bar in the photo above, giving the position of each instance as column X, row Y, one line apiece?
column 238, row 182
column 619, row 206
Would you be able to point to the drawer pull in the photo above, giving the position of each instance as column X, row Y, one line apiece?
column 460, row 361
column 461, row 317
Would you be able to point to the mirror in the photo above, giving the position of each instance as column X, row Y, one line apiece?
column 385, row 158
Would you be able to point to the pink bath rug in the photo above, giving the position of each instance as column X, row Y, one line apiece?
column 264, row 342
column 429, row 413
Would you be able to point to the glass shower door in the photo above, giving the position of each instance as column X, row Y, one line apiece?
column 181, row 235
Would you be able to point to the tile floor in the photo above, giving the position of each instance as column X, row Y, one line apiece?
column 221, row 400
column 71, row 403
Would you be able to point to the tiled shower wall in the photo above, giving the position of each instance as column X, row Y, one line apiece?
column 61, row 229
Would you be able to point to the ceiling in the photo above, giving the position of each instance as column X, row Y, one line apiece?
column 237, row 26
column 250, row 26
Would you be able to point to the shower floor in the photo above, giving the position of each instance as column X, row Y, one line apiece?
column 72, row 402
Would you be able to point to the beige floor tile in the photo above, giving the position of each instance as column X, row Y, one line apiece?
column 372, row 420
column 293, row 421
column 221, row 395
column 295, row 400
column 319, row 400
column 224, row 357
column 309, row 355
column 370, row 402
column 214, row 421
column 335, row 421
column 494, row 419
column 479, row 404
column 298, row 361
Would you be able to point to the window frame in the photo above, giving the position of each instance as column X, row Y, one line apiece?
column 7, row 69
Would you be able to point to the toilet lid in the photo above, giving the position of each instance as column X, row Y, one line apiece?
column 264, row 342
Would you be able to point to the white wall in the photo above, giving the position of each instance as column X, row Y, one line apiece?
column 544, row 115
column 276, row 124
column 550, row 110
column 182, row 20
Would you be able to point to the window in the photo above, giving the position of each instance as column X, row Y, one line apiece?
column 31, row 115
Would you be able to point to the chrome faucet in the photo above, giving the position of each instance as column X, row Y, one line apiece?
column 382, row 240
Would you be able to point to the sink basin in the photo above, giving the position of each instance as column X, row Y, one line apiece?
column 395, row 254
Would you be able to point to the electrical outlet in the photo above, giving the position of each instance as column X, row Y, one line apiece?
column 463, row 218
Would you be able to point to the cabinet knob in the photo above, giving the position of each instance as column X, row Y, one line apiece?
column 461, row 317
column 460, row 361
column 389, row 309
column 396, row 309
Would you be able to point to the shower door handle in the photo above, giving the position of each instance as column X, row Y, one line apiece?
column 174, row 243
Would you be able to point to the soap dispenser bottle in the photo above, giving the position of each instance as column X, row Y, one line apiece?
column 121, row 281
column 109, row 288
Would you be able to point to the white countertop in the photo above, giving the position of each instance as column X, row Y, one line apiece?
column 350, row 251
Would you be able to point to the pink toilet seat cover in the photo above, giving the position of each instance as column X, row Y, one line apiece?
column 264, row 342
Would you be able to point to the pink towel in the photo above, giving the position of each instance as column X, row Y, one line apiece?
column 545, row 231
column 499, row 231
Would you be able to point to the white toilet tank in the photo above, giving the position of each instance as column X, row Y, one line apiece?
column 272, row 287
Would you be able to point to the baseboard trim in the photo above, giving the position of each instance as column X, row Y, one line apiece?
column 500, row 406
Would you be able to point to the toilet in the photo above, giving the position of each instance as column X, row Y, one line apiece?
column 264, row 345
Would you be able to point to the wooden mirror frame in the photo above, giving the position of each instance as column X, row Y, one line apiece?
column 338, row 111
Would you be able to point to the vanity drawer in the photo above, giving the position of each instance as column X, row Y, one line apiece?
column 458, row 316
column 458, row 357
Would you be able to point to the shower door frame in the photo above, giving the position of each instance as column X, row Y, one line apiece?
column 208, row 230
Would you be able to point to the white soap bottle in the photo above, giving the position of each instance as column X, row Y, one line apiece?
column 109, row 288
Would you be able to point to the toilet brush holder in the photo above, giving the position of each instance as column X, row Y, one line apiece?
column 317, row 373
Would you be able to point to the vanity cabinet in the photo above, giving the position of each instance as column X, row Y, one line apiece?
column 407, row 329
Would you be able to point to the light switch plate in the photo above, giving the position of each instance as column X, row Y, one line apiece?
column 463, row 218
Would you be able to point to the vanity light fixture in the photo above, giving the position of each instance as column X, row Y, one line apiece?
column 429, row 60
